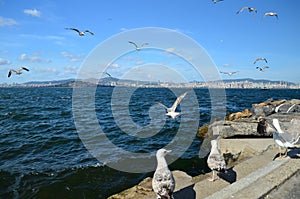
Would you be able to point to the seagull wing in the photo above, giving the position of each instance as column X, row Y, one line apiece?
column 256, row 61
column 133, row 43
column 178, row 100
column 10, row 72
column 89, row 32
column 242, row 9
column 23, row 68
column 160, row 104
column 107, row 74
column 144, row 44
column 73, row 29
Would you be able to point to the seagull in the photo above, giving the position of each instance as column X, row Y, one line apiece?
column 272, row 14
column 262, row 69
column 216, row 1
column 136, row 46
column 18, row 72
column 229, row 73
column 215, row 160
column 171, row 111
column 81, row 33
column 163, row 182
column 246, row 7
column 106, row 73
column 261, row 58
column 284, row 139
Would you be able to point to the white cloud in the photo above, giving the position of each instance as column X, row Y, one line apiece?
column 33, row 58
column 73, row 58
column 32, row 12
column 69, row 70
column 7, row 21
column 4, row 61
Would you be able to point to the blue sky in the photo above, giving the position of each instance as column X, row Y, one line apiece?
column 33, row 34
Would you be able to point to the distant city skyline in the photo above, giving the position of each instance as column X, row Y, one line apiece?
column 33, row 35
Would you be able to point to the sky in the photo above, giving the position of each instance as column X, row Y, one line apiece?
column 33, row 35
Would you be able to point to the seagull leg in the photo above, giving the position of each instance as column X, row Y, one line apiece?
column 285, row 154
column 213, row 176
column 280, row 155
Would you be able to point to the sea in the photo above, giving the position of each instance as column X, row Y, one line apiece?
column 44, row 155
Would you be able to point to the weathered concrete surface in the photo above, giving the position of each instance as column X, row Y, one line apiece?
column 255, row 176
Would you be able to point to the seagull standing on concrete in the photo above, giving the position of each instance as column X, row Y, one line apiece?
column 163, row 182
column 229, row 73
column 136, row 46
column 215, row 160
column 80, row 33
column 272, row 14
column 18, row 72
column 260, row 58
column 246, row 7
column 284, row 139
column 171, row 111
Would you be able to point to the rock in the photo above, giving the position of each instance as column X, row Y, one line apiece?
column 202, row 131
column 235, row 116
column 144, row 188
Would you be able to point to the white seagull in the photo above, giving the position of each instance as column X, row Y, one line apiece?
column 81, row 33
column 246, row 7
column 260, row 58
column 272, row 14
column 18, row 72
column 163, row 182
column 136, row 46
column 216, row 1
column 284, row 139
column 262, row 69
column 229, row 73
column 215, row 160
column 171, row 111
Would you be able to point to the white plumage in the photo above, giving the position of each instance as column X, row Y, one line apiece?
column 215, row 160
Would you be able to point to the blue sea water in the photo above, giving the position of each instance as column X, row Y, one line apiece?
column 42, row 155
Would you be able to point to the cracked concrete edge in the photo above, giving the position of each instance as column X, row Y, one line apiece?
column 253, row 178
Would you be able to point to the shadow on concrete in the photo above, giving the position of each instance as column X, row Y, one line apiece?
column 185, row 193
column 229, row 176
column 292, row 153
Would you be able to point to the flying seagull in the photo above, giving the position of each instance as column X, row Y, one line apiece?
column 246, row 7
column 229, row 73
column 18, row 72
column 215, row 160
column 272, row 14
column 106, row 73
column 262, row 69
column 163, row 182
column 171, row 111
column 136, row 46
column 260, row 58
column 216, row 1
column 81, row 33
column 284, row 139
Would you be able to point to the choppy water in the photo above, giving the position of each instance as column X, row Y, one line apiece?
column 42, row 155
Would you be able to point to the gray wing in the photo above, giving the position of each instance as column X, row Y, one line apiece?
column 89, row 32
column 163, row 183
column 178, row 100
column 144, row 44
column 216, row 162
column 73, row 29
column 133, row 43
column 294, row 129
column 23, row 68
column 242, row 9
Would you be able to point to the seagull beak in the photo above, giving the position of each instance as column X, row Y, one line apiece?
column 169, row 151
